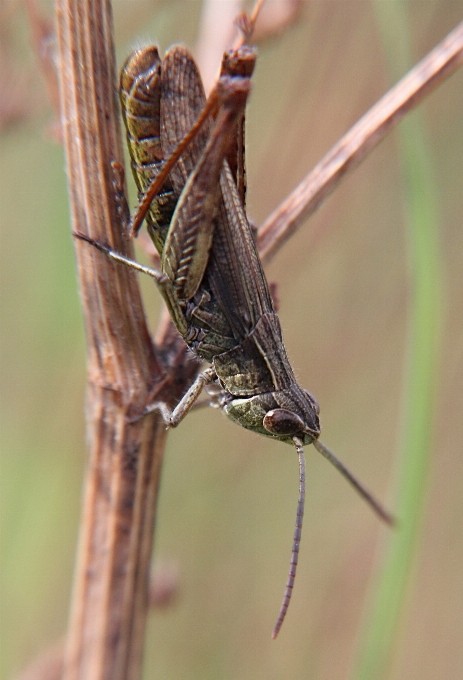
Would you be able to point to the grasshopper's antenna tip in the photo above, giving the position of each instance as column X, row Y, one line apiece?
column 296, row 540
column 374, row 504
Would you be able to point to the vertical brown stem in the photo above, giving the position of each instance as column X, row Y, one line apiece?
column 109, row 604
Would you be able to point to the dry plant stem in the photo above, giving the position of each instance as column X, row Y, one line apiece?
column 438, row 65
column 110, row 599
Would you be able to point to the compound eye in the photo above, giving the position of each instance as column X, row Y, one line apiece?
column 282, row 422
column 313, row 402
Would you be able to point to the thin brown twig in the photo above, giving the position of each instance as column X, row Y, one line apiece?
column 351, row 149
column 110, row 598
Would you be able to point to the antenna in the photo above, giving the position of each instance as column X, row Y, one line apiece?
column 374, row 504
column 296, row 539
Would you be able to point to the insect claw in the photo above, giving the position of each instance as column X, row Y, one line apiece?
column 160, row 406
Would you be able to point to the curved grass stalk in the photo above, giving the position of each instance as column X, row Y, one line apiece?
column 392, row 587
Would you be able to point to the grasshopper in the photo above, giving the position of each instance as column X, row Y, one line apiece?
column 188, row 162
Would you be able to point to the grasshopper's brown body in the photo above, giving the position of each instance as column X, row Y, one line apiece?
column 212, row 279
column 227, row 315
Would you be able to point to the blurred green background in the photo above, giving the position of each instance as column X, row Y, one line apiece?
column 228, row 497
